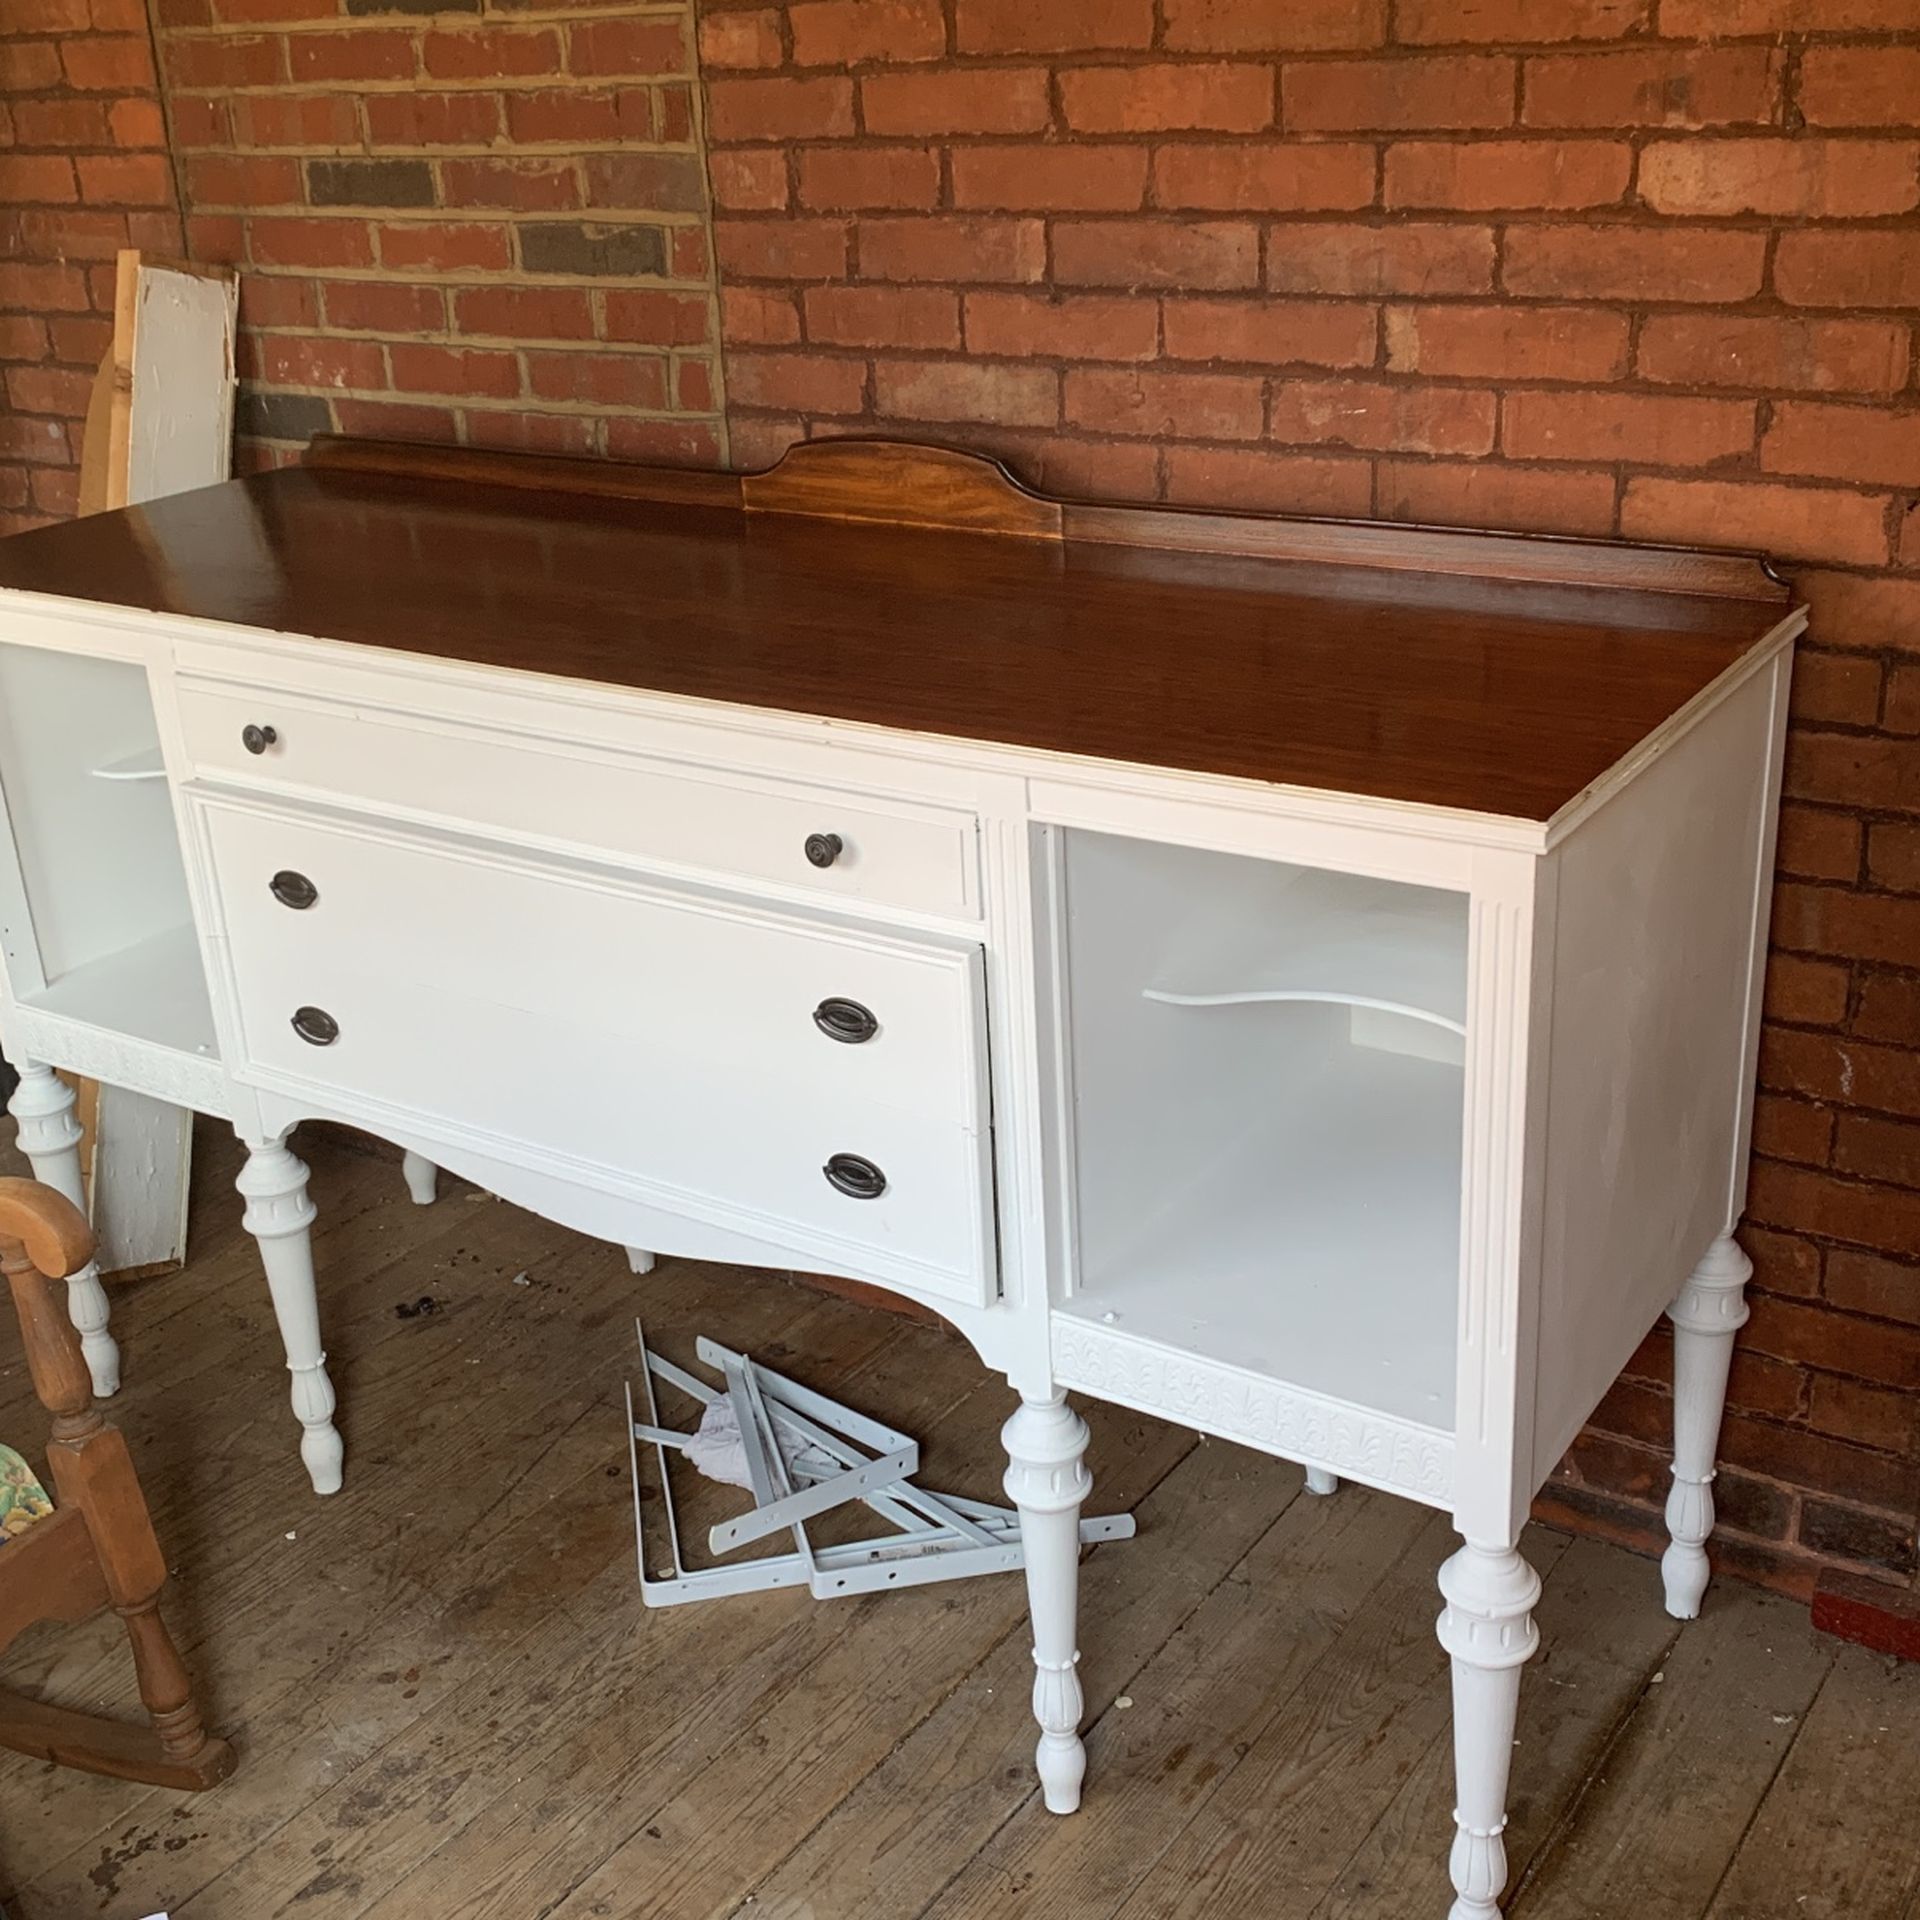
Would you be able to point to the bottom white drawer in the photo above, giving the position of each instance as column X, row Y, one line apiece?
column 666, row 1039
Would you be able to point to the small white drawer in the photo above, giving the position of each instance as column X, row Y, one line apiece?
column 861, row 848
column 745, row 1067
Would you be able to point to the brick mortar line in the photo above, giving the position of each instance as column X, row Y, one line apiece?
column 486, row 280
column 1499, row 383
column 1160, row 55
column 466, row 25
column 1610, row 219
column 386, row 85
column 1055, row 294
column 503, row 149
column 1845, row 1175
column 451, row 26
column 488, row 403
column 1044, row 289
column 445, row 215
column 1498, row 220
column 1266, row 441
column 1266, row 139
column 448, row 342
column 1259, row 139
column 1780, row 1423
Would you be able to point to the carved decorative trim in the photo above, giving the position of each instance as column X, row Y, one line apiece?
column 182, row 1080
column 1237, row 1405
column 895, row 482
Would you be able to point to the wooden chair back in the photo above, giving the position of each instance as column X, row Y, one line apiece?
column 98, row 1547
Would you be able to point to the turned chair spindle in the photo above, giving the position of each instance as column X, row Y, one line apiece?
column 98, row 1548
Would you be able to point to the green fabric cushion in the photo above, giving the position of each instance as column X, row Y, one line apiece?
column 23, row 1500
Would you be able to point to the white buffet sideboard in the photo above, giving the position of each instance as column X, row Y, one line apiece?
column 1296, row 978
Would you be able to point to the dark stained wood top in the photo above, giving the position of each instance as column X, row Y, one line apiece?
column 1433, row 680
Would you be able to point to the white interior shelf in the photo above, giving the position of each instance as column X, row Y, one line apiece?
column 1327, row 937
column 90, row 855
column 1355, row 1199
column 154, row 992
column 144, row 765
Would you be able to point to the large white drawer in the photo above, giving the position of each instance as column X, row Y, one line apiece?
column 878, row 850
column 665, row 1041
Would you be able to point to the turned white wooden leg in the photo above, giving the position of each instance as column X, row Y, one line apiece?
column 280, row 1216
column 1047, row 1479
column 1319, row 1480
column 639, row 1259
column 422, row 1178
column 50, row 1136
column 1708, row 1311
column 1487, row 1629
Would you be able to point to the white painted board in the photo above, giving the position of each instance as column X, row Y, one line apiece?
column 179, row 437
column 140, row 1170
column 181, row 429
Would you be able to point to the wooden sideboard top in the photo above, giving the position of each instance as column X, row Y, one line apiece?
column 921, row 589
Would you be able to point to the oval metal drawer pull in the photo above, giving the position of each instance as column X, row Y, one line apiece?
column 293, row 890
column 316, row 1026
column 845, row 1020
column 823, row 849
column 257, row 739
column 857, row 1178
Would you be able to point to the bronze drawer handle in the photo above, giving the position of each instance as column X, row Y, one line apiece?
column 823, row 849
column 845, row 1020
column 858, row 1178
column 293, row 890
column 316, row 1026
column 257, row 739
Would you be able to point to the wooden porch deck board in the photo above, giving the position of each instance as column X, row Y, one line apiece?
column 449, row 1701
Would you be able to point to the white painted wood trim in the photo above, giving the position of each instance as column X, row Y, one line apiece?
column 1756, row 982
column 195, row 1081
column 1765, row 654
column 180, row 429
column 1501, row 1158
column 1398, row 1456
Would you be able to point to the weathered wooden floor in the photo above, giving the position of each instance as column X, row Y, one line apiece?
column 449, row 1702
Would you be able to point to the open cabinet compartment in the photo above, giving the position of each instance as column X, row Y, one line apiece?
column 94, row 910
column 1264, row 1088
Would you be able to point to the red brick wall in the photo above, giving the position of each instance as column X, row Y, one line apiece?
column 1638, row 266
column 83, row 172
column 1647, row 267
column 474, row 220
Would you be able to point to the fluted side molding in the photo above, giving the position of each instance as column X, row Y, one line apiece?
column 1706, row 1314
column 280, row 1217
column 1487, row 1630
column 1047, row 1479
column 50, row 1135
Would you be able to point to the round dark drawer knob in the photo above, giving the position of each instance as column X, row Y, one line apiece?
column 845, row 1020
column 257, row 739
column 857, row 1178
column 316, row 1026
column 293, row 890
column 823, row 849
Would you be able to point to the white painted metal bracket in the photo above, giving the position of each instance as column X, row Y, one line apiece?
column 806, row 1455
